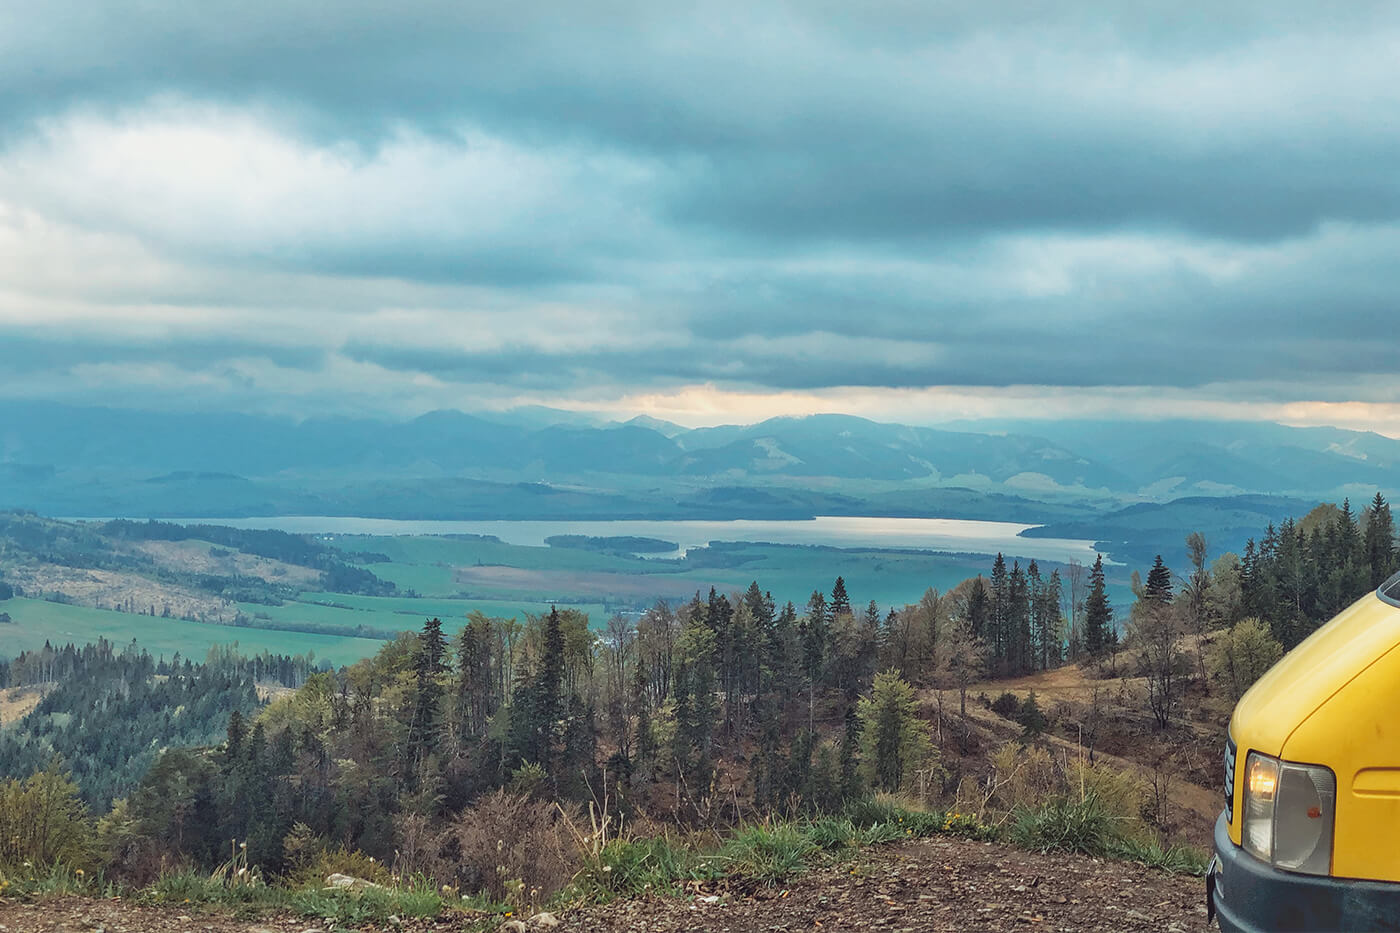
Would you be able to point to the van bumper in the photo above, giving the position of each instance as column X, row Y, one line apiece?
column 1251, row 896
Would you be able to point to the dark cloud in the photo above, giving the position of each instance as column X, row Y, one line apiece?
column 771, row 196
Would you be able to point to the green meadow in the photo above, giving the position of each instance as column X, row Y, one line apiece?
column 37, row 621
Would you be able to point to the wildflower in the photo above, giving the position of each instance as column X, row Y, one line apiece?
column 79, row 872
column 243, row 845
column 607, row 868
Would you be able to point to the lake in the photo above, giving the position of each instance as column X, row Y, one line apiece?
column 946, row 535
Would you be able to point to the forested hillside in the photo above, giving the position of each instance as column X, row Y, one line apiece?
column 710, row 715
column 108, row 714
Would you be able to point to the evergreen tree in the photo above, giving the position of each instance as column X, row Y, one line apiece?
column 894, row 741
column 979, row 608
column 429, row 666
column 1379, row 541
column 1018, row 646
column 1159, row 582
column 1030, row 716
column 1098, row 614
column 233, row 748
column 548, row 691
column 998, row 639
column 840, row 602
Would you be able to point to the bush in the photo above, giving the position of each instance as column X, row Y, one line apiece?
column 1120, row 793
column 1064, row 825
column 311, row 869
column 1006, row 705
column 515, row 849
column 43, row 822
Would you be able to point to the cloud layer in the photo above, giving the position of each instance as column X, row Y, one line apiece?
column 308, row 207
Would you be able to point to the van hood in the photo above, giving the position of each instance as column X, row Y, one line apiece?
column 1312, row 673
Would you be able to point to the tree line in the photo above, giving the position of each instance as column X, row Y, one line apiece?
column 724, row 708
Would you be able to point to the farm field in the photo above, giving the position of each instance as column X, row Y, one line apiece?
column 37, row 621
column 396, row 613
column 602, row 584
column 452, row 575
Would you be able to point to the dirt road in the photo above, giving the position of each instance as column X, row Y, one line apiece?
column 938, row 884
column 931, row 885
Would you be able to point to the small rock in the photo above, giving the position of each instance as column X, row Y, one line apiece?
column 394, row 920
column 709, row 899
column 544, row 920
column 339, row 881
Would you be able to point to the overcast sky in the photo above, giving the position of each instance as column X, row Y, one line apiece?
column 910, row 211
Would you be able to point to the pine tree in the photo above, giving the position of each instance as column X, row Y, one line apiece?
column 997, row 639
column 429, row 665
column 233, row 748
column 1098, row 614
column 1380, row 541
column 894, row 741
column 1018, row 646
column 1159, row 582
column 840, row 602
column 548, row 691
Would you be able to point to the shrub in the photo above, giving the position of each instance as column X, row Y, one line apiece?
column 43, row 822
column 316, row 864
column 1120, row 793
column 1025, row 777
column 1006, row 705
column 515, row 849
column 1065, row 825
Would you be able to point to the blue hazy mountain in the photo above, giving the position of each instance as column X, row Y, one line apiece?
column 83, row 460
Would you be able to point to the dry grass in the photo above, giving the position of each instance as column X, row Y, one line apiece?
column 515, row 848
column 17, row 702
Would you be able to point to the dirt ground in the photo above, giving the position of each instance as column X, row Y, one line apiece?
column 938, row 884
column 932, row 885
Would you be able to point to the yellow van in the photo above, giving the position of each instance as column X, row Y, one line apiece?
column 1310, row 836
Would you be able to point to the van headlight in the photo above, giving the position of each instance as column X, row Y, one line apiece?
column 1288, row 811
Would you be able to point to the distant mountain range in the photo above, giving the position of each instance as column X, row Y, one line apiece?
column 1073, row 476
